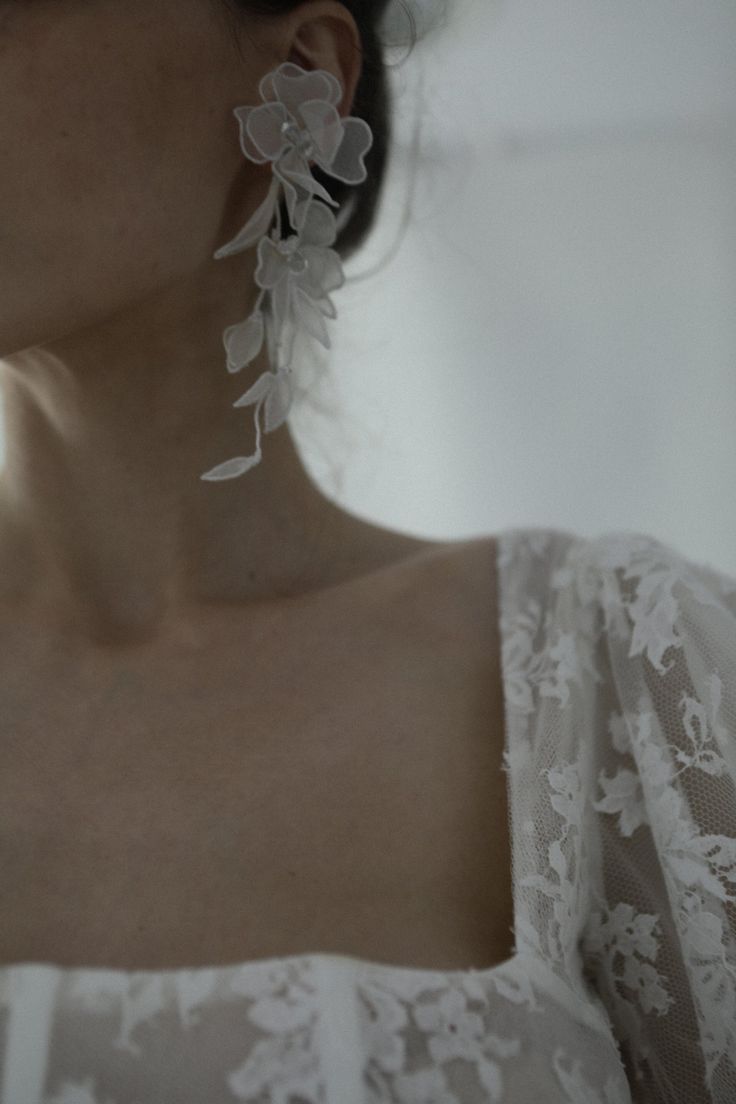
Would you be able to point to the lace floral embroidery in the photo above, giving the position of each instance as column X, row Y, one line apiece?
column 448, row 1029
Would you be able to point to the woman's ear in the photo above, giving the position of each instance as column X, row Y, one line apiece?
column 326, row 36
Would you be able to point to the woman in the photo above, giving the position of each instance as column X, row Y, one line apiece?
column 255, row 807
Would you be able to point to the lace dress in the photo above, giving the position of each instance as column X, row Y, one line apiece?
column 619, row 665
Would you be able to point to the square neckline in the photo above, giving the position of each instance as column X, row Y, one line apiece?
column 359, row 964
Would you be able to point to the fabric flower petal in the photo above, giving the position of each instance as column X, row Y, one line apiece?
column 294, row 172
column 324, row 272
column 348, row 164
column 258, row 391
column 279, row 402
column 256, row 227
column 273, row 265
column 319, row 226
column 328, row 308
column 325, row 128
column 261, row 133
column 244, row 342
column 293, row 85
column 311, row 318
column 233, row 469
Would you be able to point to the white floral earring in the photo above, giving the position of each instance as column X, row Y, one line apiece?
column 297, row 123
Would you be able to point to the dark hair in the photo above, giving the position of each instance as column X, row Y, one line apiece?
column 372, row 102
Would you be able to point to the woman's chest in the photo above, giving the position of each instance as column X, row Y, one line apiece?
column 355, row 806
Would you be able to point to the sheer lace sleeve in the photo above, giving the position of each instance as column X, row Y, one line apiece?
column 659, row 942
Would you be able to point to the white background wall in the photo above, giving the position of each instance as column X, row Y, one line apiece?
column 554, row 343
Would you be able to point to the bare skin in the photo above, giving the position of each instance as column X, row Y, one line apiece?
column 227, row 704
column 330, row 783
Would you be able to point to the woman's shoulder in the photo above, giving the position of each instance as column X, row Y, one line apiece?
column 622, row 568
